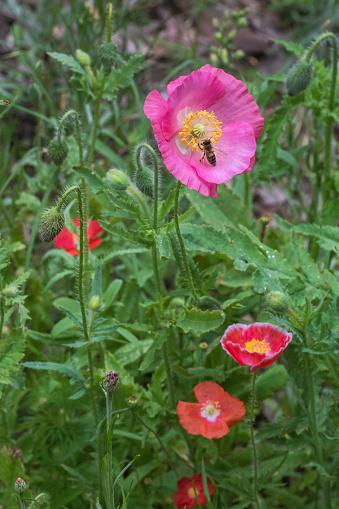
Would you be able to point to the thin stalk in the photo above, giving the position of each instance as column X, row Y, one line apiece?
column 96, row 122
column 255, row 501
column 168, row 374
column 181, row 242
column 329, row 122
column 2, row 315
column 140, row 200
column 246, row 191
column 314, row 425
column 109, row 404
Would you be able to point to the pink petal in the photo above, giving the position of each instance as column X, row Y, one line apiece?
column 174, row 84
column 236, row 104
column 238, row 144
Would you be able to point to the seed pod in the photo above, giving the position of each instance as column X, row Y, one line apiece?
column 299, row 77
column 108, row 55
column 51, row 223
column 58, row 151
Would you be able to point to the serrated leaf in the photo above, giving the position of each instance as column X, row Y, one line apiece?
column 163, row 245
column 198, row 321
column 132, row 352
column 293, row 47
column 60, row 368
column 67, row 60
column 94, row 181
column 11, row 352
column 130, row 235
column 326, row 236
column 121, row 77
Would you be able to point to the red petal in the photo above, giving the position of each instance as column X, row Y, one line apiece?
column 65, row 240
column 189, row 417
column 93, row 229
column 208, row 391
column 94, row 243
column 215, row 429
column 232, row 409
column 182, row 500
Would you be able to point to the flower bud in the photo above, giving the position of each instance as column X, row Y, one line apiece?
column 299, row 77
column 51, row 223
column 82, row 57
column 239, row 54
column 108, row 54
column 241, row 23
column 111, row 382
column 19, row 485
column 278, row 301
column 144, row 180
column 132, row 400
column 203, row 345
column 218, row 36
column 94, row 302
column 58, row 151
column 215, row 23
column 117, row 179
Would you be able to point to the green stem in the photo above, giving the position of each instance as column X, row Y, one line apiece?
column 109, row 404
column 314, row 425
column 255, row 500
column 156, row 177
column 96, row 122
column 168, row 374
column 246, row 191
column 329, row 122
column 181, row 242
column 140, row 199
column 109, row 14
column 2, row 315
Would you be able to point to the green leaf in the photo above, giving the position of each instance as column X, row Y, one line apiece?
column 94, row 181
column 60, row 368
column 293, row 47
column 199, row 321
column 163, row 246
column 270, row 382
column 111, row 292
column 121, row 77
column 67, row 60
column 97, row 282
column 133, row 351
column 11, row 352
column 327, row 236
column 130, row 235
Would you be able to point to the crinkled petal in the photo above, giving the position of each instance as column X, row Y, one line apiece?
column 208, row 391
column 236, row 104
column 94, row 243
column 238, row 145
column 93, row 229
column 216, row 429
column 183, row 500
column 232, row 409
column 65, row 240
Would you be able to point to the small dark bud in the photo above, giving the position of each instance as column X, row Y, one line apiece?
column 58, row 151
column 117, row 179
column 278, row 301
column 144, row 180
column 51, row 223
column 299, row 77
column 19, row 485
column 111, row 382
column 108, row 54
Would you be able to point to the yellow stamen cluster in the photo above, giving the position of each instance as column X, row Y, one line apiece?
column 256, row 346
column 199, row 126
column 212, row 407
column 191, row 493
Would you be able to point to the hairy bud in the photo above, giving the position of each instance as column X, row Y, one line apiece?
column 58, row 151
column 111, row 382
column 82, row 57
column 51, row 223
column 117, row 179
column 108, row 55
column 144, row 180
column 19, row 485
column 299, row 77
column 278, row 301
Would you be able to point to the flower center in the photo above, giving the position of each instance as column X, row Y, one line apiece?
column 210, row 410
column 256, row 346
column 191, row 493
column 75, row 238
column 198, row 126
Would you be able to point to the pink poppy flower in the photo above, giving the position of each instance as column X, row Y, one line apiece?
column 213, row 415
column 257, row 345
column 206, row 105
column 69, row 241
column 185, row 496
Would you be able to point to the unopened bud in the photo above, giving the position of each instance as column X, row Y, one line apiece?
column 278, row 301
column 144, row 180
column 94, row 302
column 108, row 54
column 203, row 345
column 82, row 57
column 19, row 485
column 239, row 54
column 51, row 223
column 218, row 36
column 241, row 23
column 299, row 77
column 215, row 23
column 117, row 179
column 111, row 382
column 58, row 151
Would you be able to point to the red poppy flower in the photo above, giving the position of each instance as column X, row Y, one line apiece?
column 257, row 345
column 214, row 414
column 69, row 241
column 185, row 497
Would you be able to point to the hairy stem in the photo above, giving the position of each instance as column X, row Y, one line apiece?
column 181, row 242
column 255, row 501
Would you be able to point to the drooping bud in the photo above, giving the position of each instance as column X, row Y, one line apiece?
column 19, row 485
column 82, row 57
column 278, row 301
column 108, row 55
column 144, row 180
column 51, row 223
column 117, row 179
column 299, row 77
column 111, row 382
column 58, row 151
column 94, row 302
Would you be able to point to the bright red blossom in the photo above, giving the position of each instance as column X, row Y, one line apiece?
column 213, row 415
column 209, row 104
column 185, row 496
column 257, row 345
column 69, row 241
